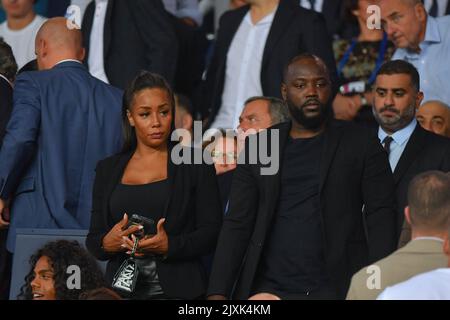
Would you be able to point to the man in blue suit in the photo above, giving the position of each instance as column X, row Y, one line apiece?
column 63, row 122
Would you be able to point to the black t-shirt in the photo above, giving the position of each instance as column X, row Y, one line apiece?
column 147, row 200
column 293, row 258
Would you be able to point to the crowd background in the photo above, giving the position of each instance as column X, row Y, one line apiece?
column 363, row 114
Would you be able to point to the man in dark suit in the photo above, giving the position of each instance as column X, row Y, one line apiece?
column 8, row 70
column 301, row 233
column 331, row 10
column 123, row 37
column 412, row 149
column 63, row 122
column 254, row 44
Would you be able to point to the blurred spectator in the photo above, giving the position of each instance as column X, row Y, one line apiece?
column 254, row 44
column 123, row 37
column 437, row 8
column 183, row 116
column 358, row 61
column 331, row 10
column 8, row 69
column 100, row 294
column 434, row 116
column 260, row 113
column 51, row 269
column 421, row 40
column 20, row 29
column 58, row 8
column 411, row 149
column 30, row 66
column 63, row 122
column 428, row 215
column 186, row 10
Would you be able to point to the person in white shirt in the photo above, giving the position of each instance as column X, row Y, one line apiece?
column 433, row 285
column 20, row 29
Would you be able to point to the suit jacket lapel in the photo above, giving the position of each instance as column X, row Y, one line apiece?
column 281, row 20
column 273, row 182
column 411, row 152
column 107, row 32
column 331, row 141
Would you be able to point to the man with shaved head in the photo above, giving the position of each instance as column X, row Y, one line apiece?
column 423, row 41
column 434, row 116
column 64, row 120
column 302, row 232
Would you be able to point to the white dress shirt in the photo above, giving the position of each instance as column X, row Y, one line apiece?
column 96, row 57
column 243, row 70
column 442, row 6
column 433, row 285
column 318, row 5
column 398, row 145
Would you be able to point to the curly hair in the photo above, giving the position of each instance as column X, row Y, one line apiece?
column 61, row 255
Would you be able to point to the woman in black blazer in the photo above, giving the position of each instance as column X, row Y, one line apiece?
column 183, row 199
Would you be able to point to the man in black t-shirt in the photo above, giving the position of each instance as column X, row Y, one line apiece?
column 330, row 209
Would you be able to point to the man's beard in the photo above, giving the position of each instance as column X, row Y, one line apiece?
column 311, row 123
column 398, row 122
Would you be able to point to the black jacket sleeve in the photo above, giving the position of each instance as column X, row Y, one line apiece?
column 99, row 221
column 378, row 189
column 208, row 219
column 236, row 232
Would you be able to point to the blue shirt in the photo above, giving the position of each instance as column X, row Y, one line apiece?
column 398, row 145
column 433, row 60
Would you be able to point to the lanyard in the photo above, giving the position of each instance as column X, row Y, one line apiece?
column 379, row 62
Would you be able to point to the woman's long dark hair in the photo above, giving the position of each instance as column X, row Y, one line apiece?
column 61, row 255
column 145, row 80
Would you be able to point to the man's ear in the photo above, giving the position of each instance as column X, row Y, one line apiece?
column 421, row 12
column 283, row 91
column 187, row 121
column 447, row 247
column 408, row 215
column 419, row 99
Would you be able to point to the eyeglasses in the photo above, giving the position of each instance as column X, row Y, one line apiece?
column 230, row 156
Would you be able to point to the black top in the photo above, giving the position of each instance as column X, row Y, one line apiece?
column 147, row 200
column 293, row 259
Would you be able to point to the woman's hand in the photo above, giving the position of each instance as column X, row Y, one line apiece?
column 115, row 239
column 157, row 244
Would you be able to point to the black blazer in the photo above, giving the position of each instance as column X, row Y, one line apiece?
column 138, row 35
column 354, row 172
column 332, row 11
column 425, row 151
column 6, row 103
column 193, row 220
column 294, row 30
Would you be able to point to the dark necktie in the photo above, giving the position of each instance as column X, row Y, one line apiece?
column 434, row 9
column 387, row 144
column 313, row 4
